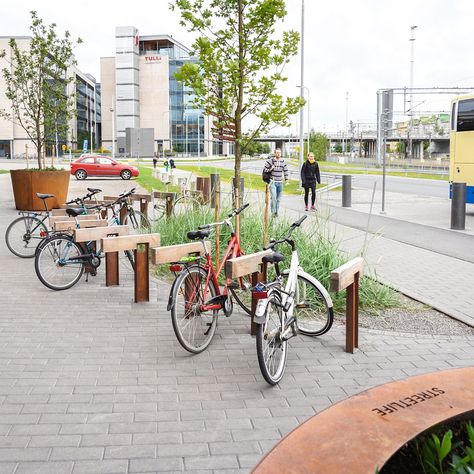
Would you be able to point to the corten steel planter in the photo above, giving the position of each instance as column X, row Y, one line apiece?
column 26, row 183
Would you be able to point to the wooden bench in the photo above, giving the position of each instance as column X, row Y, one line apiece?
column 360, row 434
column 85, row 217
column 140, row 245
column 248, row 265
column 347, row 277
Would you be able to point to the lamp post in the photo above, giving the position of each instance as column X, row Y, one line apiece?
column 112, row 111
column 309, row 114
column 170, row 130
column 302, row 85
column 412, row 66
column 344, row 142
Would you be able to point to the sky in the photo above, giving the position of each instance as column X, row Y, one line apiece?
column 355, row 47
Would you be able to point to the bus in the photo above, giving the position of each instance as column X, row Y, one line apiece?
column 461, row 146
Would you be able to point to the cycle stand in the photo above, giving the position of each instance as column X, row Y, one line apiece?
column 346, row 277
column 249, row 264
column 140, row 245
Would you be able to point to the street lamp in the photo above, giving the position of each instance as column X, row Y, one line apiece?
column 412, row 66
column 302, row 84
column 308, row 105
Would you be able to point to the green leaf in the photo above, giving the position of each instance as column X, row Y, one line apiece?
column 446, row 445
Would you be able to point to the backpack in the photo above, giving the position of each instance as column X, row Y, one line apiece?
column 267, row 174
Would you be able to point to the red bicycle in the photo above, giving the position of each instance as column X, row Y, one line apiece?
column 196, row 297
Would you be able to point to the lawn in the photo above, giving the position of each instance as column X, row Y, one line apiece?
column 147, row 181
column 4, row 171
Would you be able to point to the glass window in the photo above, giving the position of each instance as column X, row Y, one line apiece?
column 104, row 161
column 89, row 159
column 465, row 122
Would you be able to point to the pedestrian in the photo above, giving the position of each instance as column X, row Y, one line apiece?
column 309, row 177
column 277, row 168
column 155, row 159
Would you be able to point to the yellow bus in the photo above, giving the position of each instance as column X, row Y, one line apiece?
column 461, row 146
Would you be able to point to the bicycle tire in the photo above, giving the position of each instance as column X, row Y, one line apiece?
column 137, row 221
column 53, row 251
column 272, row 353
column 243, row 294
column 314, row 316
column 36, row 238
column 195, row 277
column 184, row 205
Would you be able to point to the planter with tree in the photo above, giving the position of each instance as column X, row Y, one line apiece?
column 37, row 83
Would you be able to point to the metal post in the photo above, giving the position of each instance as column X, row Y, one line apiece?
column 384, row 156
column 112, row 110
column 186, row 125
column 412, row 65
column 199, row 142
column 458, row 206
column 346, row 190
column 302, row 85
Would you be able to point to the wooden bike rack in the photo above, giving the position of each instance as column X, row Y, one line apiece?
column 140, row 244
column 346, row 277
column 249, row 264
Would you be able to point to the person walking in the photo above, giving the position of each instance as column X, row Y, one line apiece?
column 276, row 166
column 155, row 159
column 309, row 177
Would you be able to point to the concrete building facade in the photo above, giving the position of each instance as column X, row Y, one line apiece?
column 139, row 90
column 14, row 139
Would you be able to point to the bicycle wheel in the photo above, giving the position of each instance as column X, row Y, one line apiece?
column 193, row 328
column 57, row 263
column 241, row 291
column 137, row 222
column 272, row 351
column 313, row 315
column 23, row 236
column 185, row 204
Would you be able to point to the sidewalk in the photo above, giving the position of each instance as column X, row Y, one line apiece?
column 91, row 382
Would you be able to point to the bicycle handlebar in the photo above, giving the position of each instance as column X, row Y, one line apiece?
column 286, row 239
column 236, row 212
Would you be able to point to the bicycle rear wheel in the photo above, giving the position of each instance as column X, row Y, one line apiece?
column 185, row 204
column 137, row 222
column 194, row 329
column 313, row 315
column 272, row 351
column 23, row 236
column 57, row 263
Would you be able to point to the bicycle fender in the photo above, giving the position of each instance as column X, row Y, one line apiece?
column 318, row 284
column 170, row 297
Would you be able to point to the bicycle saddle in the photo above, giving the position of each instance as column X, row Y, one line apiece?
column 94, row 190
column 274, row 257
column 198, row 234
column 44, row 196
column 73, row 212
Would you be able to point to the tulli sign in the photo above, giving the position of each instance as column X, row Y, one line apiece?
column 152, row 59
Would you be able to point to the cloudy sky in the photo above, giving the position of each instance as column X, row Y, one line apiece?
column 355, row 47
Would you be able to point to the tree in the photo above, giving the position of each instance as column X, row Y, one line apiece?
column 318, row 144
column 240, row 66
column 36, row 84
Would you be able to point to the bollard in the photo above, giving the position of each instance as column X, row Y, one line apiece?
column 203, row 185
column 215, row 187
column 346, row 190
column 458, row 206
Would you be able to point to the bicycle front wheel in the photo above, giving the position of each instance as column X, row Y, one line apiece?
column 313, row 315
column 194, row 329
column 272, row 350
column 185, row 204
column 137, row 222
column 23, row 236
column 58, row 263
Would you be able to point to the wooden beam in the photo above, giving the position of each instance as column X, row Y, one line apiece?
column 98, row 233
column 139, row 197
column 85, row 217
column 173, row 253
column 245, row 265
column 62, row 212
column 129, row 242
column 71, row 225
column 164, row 195
column 343, row 276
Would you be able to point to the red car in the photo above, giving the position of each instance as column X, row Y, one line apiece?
column 96, row 165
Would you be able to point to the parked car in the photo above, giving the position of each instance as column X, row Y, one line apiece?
column 96, row 165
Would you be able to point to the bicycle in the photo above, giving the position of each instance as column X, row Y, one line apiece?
column 196, row 298
column 294, row 302
column 24, row 234
column 136, row 220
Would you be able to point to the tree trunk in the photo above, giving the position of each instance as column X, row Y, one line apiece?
column 39, row 150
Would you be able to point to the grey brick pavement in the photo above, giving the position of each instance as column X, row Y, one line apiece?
column 91, row 382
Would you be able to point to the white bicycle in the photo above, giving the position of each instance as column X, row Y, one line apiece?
column 294, row 302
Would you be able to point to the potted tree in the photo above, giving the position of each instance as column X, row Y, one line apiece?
column 37, row 86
